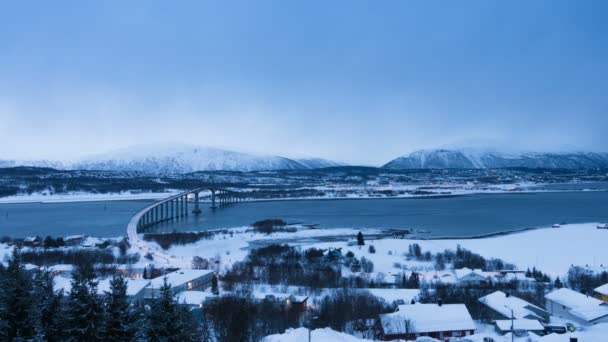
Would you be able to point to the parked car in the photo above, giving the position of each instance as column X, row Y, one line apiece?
column 570, row 327
column 557, row 329
column 520, row 332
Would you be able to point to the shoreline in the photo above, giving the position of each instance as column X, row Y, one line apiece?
column 76, row 198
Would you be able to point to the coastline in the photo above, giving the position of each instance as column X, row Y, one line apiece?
column 128, row 196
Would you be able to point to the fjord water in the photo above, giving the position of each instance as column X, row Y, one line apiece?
column 457, row 216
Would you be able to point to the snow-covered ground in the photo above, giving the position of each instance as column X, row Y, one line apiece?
column 45, row 197
column 552, row 250
column 301, row 334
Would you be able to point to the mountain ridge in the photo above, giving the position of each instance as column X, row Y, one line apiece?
column 480, row 159
column 177, row 159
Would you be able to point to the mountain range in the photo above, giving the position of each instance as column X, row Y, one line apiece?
column 480, row 159
column 181, row 159
column 177, row 159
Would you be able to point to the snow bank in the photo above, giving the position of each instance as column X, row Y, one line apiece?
column 301, row 334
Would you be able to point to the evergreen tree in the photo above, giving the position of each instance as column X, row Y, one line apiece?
column 118, row 317
column 85, row 309
column 214, row 285
column 360, row 240
column 16, row 303
column 558, row 283
column 49, row 318
column 163, row 316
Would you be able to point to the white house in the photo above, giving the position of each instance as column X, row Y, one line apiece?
column 577, row 307
column 467, row 275
column 440, row 321
column 180, row 280
column 502, row 303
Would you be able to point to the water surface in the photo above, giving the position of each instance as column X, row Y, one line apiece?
column 460, row 216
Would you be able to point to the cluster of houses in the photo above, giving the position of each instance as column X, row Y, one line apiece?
column 510, row 315
column 409, row 321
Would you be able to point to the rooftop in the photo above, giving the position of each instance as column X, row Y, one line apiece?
column 602, row 289
column 427, row 318
column 519, row 324
column 586, row 307
column 178, row 277
column 463, row 272
column 499, row 302
column 572, row 299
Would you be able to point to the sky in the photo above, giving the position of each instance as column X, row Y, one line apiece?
column 360, row 82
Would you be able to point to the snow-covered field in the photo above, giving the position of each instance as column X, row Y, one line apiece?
column 45, row 197
column 552, row 250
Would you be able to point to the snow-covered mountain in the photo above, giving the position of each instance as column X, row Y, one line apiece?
column 478, row 159
column 176, row 159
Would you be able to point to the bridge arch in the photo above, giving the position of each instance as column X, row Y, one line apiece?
column 175, row 207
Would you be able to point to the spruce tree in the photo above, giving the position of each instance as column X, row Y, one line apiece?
column 85, row 310
column 214, row 285
column 360, row 240
column 16, row 303
column 163, row 316
column 167, row 321
column 49, row 318
column 118, row 316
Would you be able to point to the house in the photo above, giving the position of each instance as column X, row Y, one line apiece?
column 504, row 305
column 180, row 280
column 469, row 276
column 602, row 292
column 503, row 326
column 440, row 321
column 577, row 307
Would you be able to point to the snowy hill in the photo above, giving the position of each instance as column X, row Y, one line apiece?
column 176, row 159
column 476, row 159
column 180, row 159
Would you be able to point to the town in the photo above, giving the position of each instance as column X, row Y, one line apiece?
column 329, row 287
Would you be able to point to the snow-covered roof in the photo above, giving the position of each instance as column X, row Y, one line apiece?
column 61, row 268
column 178, row 277
column 602, row 289
column 426, row 318
column 499, row 302
column 463, row 272
column 519, row 324
column 590, row 313
column 585, row 307
column 572, row 299
column 193, row 297
column 134, row 286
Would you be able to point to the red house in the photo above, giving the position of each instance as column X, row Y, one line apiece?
column 434, row 320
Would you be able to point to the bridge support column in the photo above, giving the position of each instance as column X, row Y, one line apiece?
column 186, row 202
column 197, row 209
column 212, row 199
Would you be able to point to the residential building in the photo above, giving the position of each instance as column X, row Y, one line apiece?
column 469, row 276
column 577, row 307
column 440, row 321
column 602, row 292
column 180, row 280
column 504, row 305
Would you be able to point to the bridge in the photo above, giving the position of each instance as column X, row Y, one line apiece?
column 174, row 208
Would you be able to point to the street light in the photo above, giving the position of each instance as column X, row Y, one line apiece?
column 512, row 328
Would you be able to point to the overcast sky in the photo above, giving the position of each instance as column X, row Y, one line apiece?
column 355, row 81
